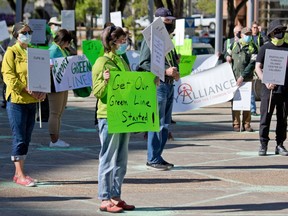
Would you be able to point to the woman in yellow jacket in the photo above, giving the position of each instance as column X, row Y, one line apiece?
column 21, row 103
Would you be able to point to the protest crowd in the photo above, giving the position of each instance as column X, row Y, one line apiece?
column 104, row 70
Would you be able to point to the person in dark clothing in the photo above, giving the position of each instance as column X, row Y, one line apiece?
column 279, row 97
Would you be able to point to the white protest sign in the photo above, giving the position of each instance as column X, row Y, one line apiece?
column 204, row 62
column 274, row 70
column 71, row 72
column 213, row 86
column 157, row 49
column 160, row 27
column 133, row 58
column 4, row 33
column 242, row 97
column 116, row 18
column 38, row 27
column 179, row 32
column 68, row 19
column 39, row 70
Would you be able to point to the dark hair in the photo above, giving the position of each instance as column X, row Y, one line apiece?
column 62, row 36
column 108, row 24
column 110, row 35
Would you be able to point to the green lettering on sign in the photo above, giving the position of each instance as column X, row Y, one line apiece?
column 92, row 49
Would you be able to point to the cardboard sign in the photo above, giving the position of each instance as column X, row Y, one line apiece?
column 186, row 48
column 180, row 32
column 38, row 27
column 242, row 97
column 157, row 48
column 39, row 70
column 160, row 27
column 92, row 49
column 71, row 72
column 4, row 33
column 133, row 58
column 132, row 102
column 186, row 64
column 275, row 66
column 68, row 19
column 116, row 18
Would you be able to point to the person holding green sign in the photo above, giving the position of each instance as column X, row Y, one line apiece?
column 113, row 155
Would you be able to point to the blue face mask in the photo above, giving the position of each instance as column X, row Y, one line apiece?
column 122, row 49
column 26, row 39
column 247, row 38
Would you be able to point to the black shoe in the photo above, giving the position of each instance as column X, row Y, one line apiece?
column 254, row 114
column 173, row 122
column 262, row 150
column 167, row 164
column 158, row 166
column 280, row 149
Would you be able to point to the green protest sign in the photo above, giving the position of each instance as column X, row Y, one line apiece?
column 185, row 49
column 186, row 65
column 92, row 49
column 132, row 102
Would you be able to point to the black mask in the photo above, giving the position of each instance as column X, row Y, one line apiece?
column 170, row 27
column 279, row 35
column 238, row 34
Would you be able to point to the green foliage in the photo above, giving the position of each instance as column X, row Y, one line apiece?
column 206, row 6
column 83, row 7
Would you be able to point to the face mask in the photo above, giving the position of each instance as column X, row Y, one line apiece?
column 170, row 27
column 26, row 39
column 247, row 38
column 121, row 49
column 277, row 42
column 56, row 29
column 279, row 35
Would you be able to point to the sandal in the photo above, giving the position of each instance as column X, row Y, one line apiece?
column 110, row 207
column 27, row 177
column 26, row 182
column 125, row 206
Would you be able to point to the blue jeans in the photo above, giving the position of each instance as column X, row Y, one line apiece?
column 22, row 120
column 157, row 140
column 253, row 103
column 113, row 159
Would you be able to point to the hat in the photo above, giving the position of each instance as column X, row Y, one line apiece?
column 246, row 30
column 164, row 12
column 275, row 24
column 17, row 27
column 54, row 20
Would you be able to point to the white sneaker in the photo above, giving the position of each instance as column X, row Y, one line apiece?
column 59, row 143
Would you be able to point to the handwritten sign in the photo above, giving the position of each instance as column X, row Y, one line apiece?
column 4, row 34
column 133, row 58
column 242, row 97
column 132, row 102
column 71, row 72
column 275, row 66
column 186, row 48
column 92, row 49
column 38, row 27
column 38, row 70
column 180, row 32
column 186, row 64
column 157, row 54
column 160, row 27
column 68, row 19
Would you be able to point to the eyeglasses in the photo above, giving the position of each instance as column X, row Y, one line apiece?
column 256, row 27
column 276, row 31
column 26, row 32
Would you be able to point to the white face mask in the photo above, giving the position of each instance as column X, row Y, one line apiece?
column 26, row 39
column 56, row 29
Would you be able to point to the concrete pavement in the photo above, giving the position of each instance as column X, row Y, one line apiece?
column 217, row 171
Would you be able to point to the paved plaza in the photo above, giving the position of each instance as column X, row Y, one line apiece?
column 217, row 171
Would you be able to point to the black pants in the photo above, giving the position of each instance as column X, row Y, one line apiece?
column 280, row 102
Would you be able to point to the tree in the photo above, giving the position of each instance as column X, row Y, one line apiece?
column 206, row 6
column 12, row 4
column 232, row 14
column 176, row 6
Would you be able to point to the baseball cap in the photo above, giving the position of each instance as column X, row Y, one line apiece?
column 54, row 20
column 164, row 12
column 275, row 24
column 246, row 30
column 17, row 27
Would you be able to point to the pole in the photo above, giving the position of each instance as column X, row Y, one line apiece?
column 105, row 12
column 250, row 14
column 150, row 10
column 19, row 12
column 219, row 27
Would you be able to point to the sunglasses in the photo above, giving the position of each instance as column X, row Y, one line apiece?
column 277, row 31
column 26, row 32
